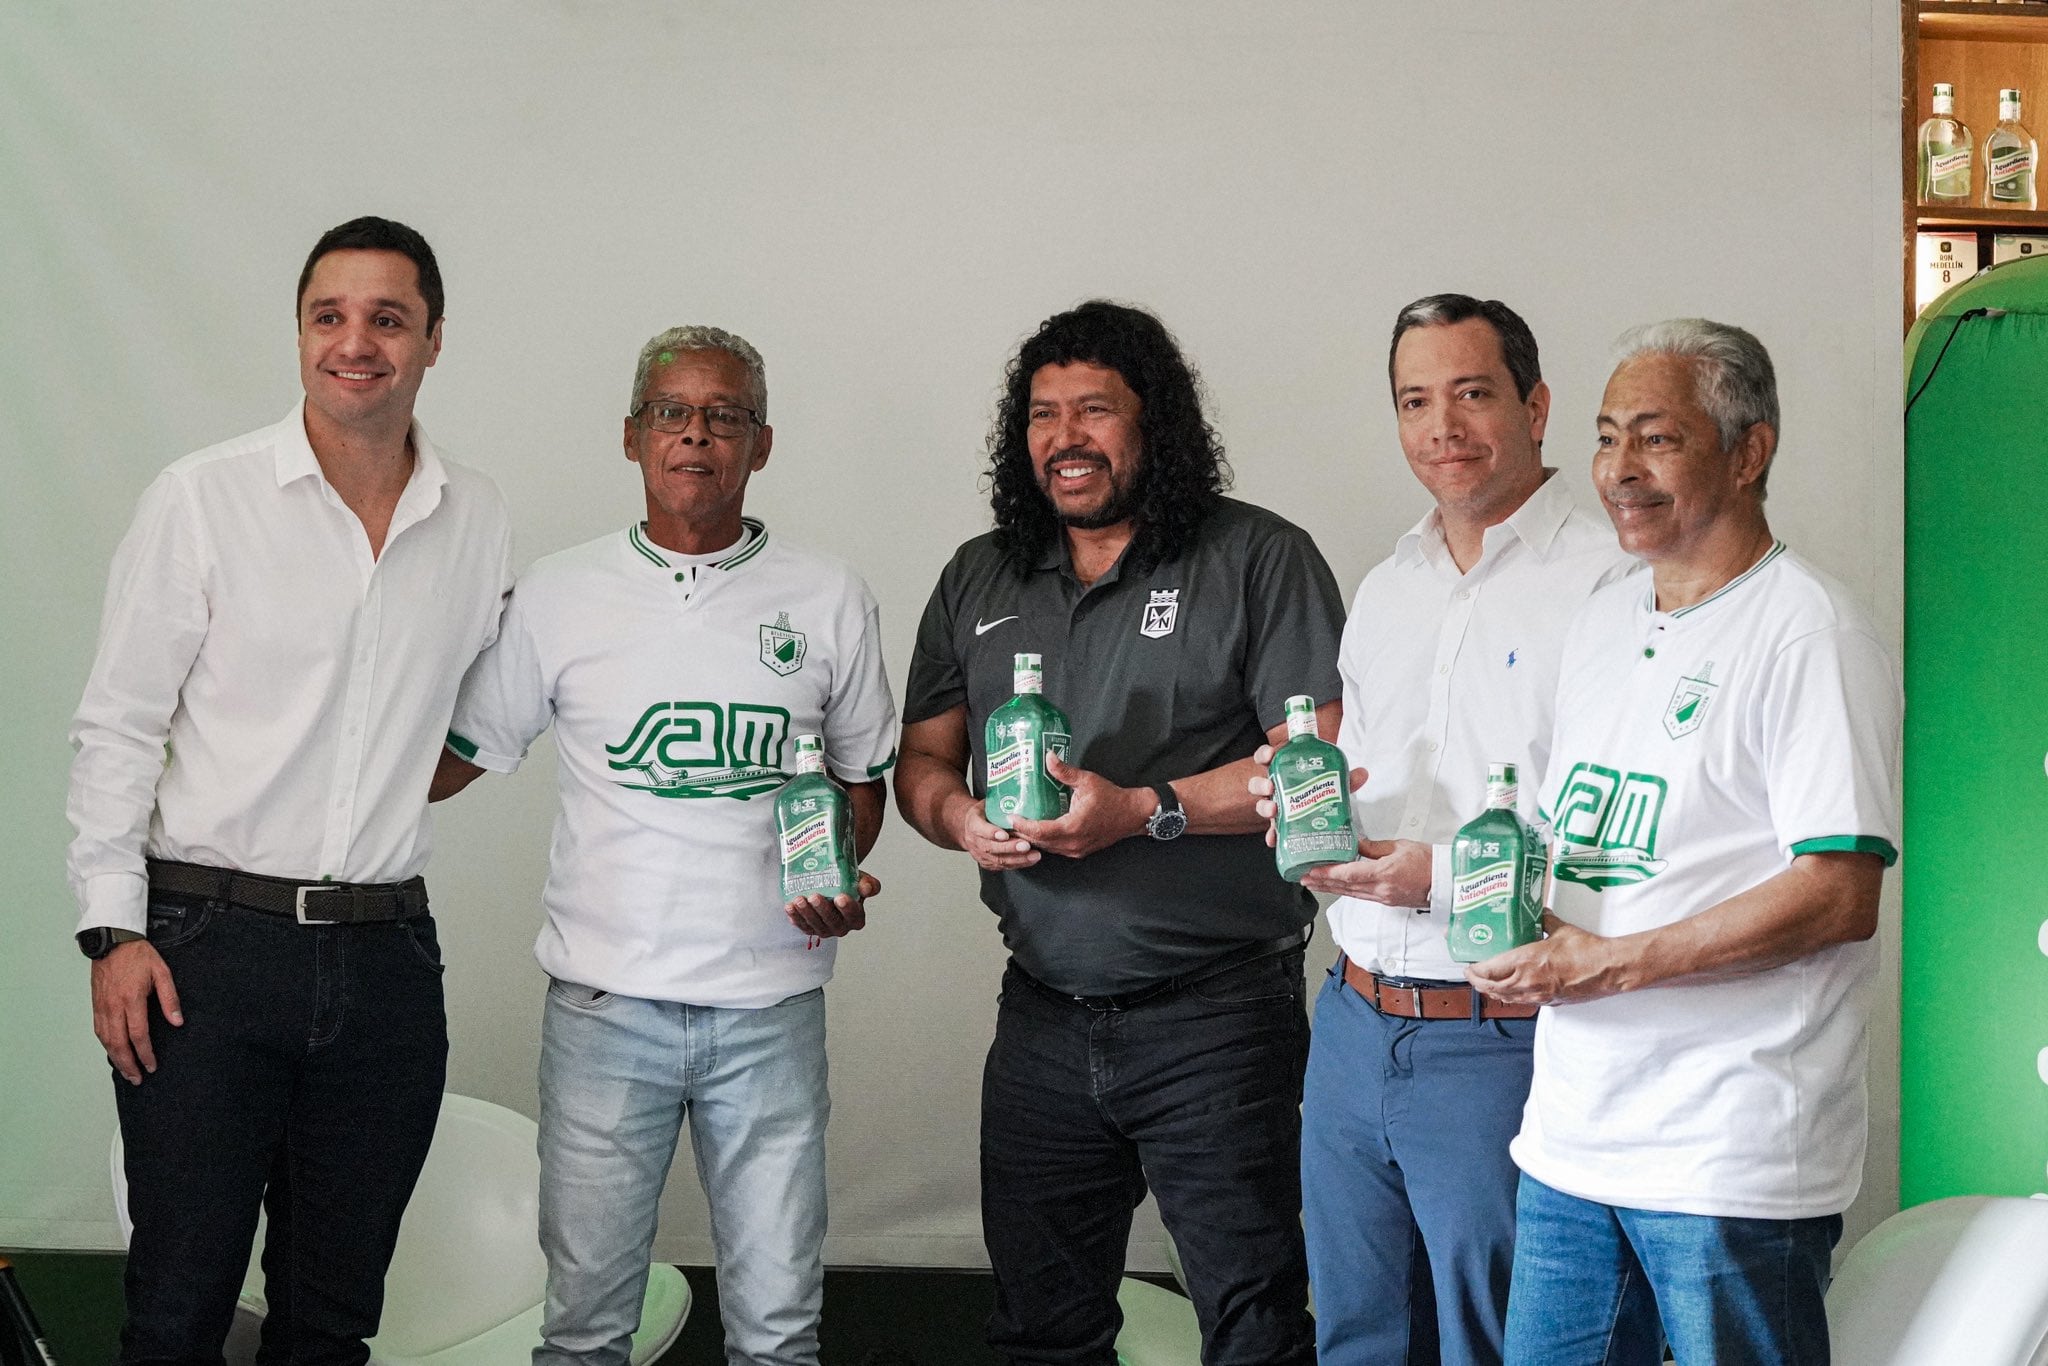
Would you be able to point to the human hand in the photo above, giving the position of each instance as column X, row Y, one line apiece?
column 1100, row 814
column 122, row 983
column 1569, row 964
column 1391, row 872
column 988, row 844
column 831, row 917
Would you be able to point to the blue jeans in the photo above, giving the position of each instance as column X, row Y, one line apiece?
column 618, row 1078
column 1601, row 1285
column 306, row 1080
column 1196, row 1091
column 1408, row 1189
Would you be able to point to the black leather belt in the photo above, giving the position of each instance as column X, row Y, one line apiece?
column 309, row 903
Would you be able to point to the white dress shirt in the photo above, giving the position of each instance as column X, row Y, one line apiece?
column 267, row 695
column 1445, row 673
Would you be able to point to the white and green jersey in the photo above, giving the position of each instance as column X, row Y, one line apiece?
column 676, row 686
column 1697, row 753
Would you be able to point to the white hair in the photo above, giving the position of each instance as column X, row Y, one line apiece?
column 697, row 337
column 1732, row 374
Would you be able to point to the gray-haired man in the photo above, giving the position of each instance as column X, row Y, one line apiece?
column 682, row 986
column 1720, row 785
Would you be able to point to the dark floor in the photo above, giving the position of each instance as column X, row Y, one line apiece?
column 930, row 1318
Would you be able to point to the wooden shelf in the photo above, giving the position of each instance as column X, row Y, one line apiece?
column 2027, row 23
column 1964, row 216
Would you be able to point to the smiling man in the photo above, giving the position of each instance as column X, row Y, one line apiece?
column 681, row 986
column 1721, row 792
column 1151, row 1029
column 286, row 624
column 1450, row 662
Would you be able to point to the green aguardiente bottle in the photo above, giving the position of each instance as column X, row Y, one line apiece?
column 1311, row 797
column 1497, row 870
column 815, row 822
column 1019, row 735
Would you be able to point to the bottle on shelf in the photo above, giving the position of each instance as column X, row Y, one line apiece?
column 1946, row 152
column 1019, row 735
column 2009, row 156
column 1311, row 797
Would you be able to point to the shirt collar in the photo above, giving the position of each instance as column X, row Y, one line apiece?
column 295, row 459
column 1535, row 524
column 753, row 539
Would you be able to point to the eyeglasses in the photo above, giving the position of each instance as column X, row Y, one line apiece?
column 667, row 415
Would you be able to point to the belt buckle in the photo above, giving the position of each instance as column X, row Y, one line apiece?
column 299, row 903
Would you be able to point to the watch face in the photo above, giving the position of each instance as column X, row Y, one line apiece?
column 1166, row 825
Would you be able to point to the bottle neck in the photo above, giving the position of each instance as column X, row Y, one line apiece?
column 1944, row 107
column 1501, row 796
column 1300, row 723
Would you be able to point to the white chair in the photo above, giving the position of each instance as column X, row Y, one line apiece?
column 1956, row 1282
column 467, row 1283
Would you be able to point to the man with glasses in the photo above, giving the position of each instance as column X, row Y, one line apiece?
column 678, row 660
column 286, row 624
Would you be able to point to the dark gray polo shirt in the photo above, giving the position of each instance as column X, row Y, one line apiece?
column 1163, row 675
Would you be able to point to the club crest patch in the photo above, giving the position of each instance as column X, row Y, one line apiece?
column 781, row 648
column 1160, row 614
column 1689, row 704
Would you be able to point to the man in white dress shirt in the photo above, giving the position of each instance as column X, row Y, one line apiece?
column 286, row 624
column 1450, row 658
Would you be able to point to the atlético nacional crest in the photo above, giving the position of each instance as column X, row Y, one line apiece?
column 781, row 648
column 1160, row 613
column 1689, row 703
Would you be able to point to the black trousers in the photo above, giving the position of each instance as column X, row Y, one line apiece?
column 1197, row 1094
column 305, row 1081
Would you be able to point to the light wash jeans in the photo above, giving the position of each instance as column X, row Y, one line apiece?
column 618, row 1077
column 1603, row 1285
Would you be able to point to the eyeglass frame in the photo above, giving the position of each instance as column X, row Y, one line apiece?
column 692, row 410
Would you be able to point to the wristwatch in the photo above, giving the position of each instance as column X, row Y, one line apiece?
column 98, row 942
column 1169, row 821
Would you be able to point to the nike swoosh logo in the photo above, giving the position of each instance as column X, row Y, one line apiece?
column 982, row 628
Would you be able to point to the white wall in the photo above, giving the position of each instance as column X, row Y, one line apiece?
column 885, row 199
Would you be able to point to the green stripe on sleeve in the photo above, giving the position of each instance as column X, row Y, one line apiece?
column 461, row 746
column 1849, row 844
column 877, row 770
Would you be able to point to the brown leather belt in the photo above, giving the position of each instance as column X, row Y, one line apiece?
column 1416, row 1001
column 310, row 903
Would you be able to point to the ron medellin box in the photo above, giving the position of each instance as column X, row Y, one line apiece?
column 1943, row 260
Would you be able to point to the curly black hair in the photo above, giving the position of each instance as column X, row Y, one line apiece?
column 1183, row 473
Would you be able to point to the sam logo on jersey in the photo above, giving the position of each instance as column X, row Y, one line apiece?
column 1689, row 703
column 1160, row 613
column 781, row 648
column 703, row 749
column 1606, row 827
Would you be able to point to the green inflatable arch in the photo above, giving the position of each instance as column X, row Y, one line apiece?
column 1974, row 1060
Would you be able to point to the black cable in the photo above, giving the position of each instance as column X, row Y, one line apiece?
column 1956, row 327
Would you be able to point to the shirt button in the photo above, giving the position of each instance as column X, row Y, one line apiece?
column 679, row 578
column 1414, row 821
column 1443, row 668
column 1649, row 652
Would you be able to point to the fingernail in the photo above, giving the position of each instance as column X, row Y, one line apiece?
column 176, row 1017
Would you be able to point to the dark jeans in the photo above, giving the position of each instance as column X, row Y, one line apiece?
column 306, row 1080
column 1197, row 1092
